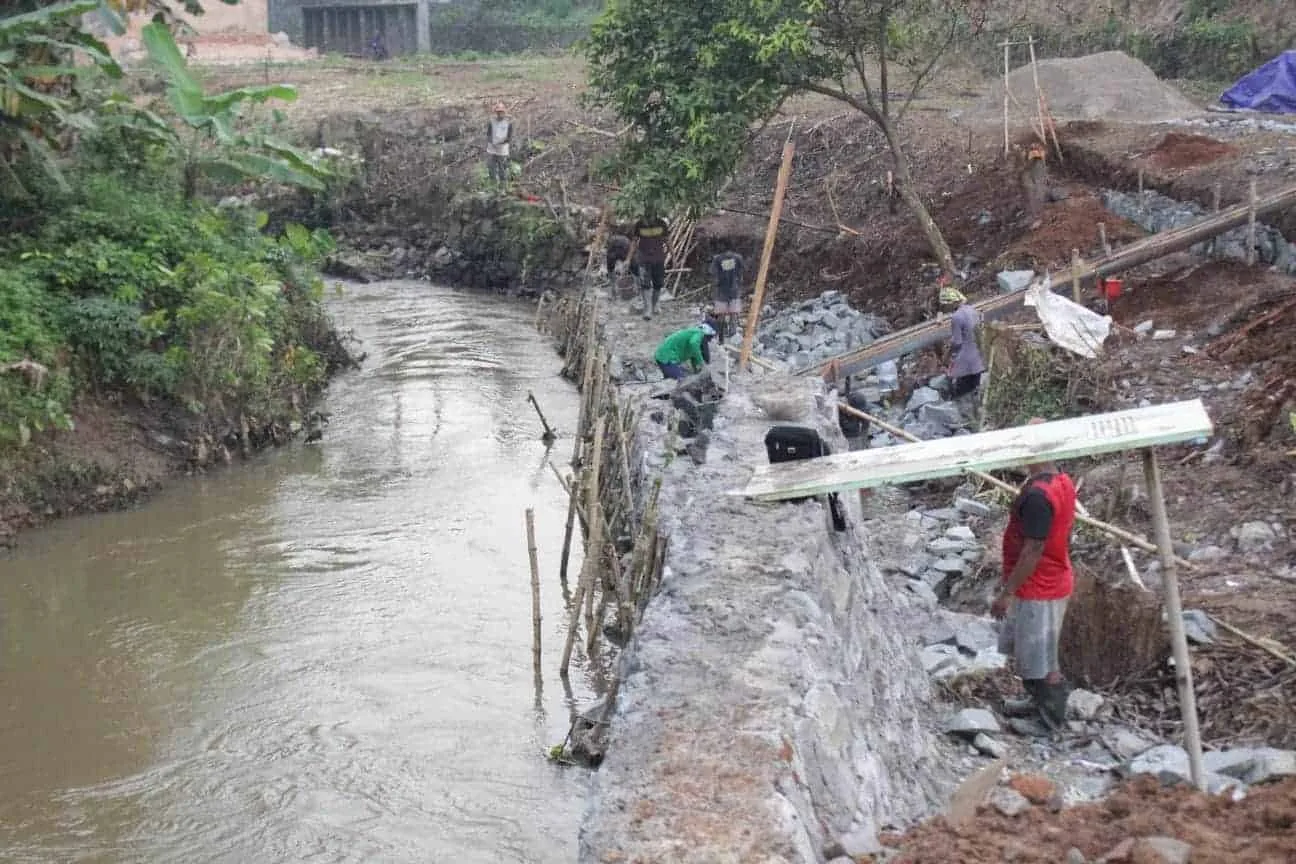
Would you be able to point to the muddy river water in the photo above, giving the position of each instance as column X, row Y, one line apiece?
column 321, row 655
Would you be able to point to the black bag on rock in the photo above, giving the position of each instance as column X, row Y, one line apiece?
column 793, row 443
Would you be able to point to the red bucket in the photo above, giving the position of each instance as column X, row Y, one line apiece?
column 1111, row 289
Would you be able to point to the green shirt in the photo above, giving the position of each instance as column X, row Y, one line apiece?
column 682, row 347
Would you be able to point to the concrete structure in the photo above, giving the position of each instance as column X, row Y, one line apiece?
column 337, row 27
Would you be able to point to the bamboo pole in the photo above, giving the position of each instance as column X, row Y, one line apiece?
column 1174, row 611
column 1039, row 95
column 1102, row 239
column 535, row 590
column 1007, row 147
column 567, row 532
column 767, row 252
column 573, row 620
column 1251, row 224
column 1075, row 275
column 548, row 436
column 1108, row 529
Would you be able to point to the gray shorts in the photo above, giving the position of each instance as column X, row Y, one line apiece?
column 728, row 307
column 1030, row 636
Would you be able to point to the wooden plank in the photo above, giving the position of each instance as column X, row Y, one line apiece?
column 1002, row 448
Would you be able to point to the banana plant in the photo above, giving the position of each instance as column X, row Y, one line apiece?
column 214, row 145
column 38, row 75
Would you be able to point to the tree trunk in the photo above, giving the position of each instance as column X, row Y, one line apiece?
column 909, row 195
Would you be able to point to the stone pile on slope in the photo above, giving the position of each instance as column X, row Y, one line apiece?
column 815, row 330
column 1110, row 86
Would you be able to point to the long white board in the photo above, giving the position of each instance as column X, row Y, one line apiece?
column 1134, row 429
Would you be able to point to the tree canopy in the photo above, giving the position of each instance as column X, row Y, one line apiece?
column 695, row 76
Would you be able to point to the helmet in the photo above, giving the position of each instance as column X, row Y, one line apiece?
column 950, row 294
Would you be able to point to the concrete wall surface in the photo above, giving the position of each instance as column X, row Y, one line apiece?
column 770, row 701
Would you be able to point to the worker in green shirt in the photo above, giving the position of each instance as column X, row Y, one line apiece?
column 685, row 351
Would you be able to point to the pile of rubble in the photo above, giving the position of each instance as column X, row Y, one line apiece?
column 1155, row 212
column 814, row 330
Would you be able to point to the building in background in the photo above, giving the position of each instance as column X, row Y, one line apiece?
column 340, row 27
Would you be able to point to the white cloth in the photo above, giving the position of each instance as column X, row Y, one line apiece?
column 1077, row 329
column 499, row 133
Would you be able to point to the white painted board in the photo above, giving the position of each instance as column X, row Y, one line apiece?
column 1058, row 440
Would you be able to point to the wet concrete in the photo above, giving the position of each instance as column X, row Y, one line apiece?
column 323, row 655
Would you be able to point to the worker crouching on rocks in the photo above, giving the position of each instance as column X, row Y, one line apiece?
column 1036, row 587
column 685, row 352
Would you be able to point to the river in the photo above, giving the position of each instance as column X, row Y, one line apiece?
column 323, row 654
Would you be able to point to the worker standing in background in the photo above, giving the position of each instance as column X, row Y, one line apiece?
column 966, row 366
column 648, row 259
column 685, row 352
column 499, row 132
column 727, row 270
column 1034, row 180
column 1036, row 587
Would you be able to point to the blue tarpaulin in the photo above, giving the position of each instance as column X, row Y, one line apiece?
column 1271, row 88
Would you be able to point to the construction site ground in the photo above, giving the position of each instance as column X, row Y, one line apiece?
column 840, row 233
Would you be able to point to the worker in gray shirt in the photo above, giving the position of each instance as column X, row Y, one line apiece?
column 499, row 132
column 966, row 365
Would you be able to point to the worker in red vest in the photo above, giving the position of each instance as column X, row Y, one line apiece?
column 1037, row 583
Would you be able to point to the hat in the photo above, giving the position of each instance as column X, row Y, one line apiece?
column 707, row 329
column 950, row 294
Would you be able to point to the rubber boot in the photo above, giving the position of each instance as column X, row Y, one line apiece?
column 648, row 304
column 656, row 298
column 1053, row 703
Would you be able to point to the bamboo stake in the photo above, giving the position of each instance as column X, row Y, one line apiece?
column 573, row 620
column 548, row 436
column 1251, row 224
column 1039, row 101
column 1075, row 275
column 1174, row 611
column 567, row 532
column 1005, row 101
column 1102, row 239
column 767, row 252
column 535, row 590
column 1111, row 530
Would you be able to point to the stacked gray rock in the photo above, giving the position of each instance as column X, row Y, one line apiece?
column 814, row 330
column 1155, row 212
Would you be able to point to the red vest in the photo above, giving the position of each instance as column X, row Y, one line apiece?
column 1053, row 578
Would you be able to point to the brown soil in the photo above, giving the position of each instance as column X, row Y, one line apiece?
column 1259, row 829
column 110, row 460
column 1179, row 150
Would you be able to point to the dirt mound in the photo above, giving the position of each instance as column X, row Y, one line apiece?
column 1259, row 828
column 1179, row 150
column 1110, row 86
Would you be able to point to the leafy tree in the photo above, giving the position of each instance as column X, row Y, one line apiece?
column 694, row 75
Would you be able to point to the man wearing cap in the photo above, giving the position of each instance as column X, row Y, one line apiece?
column 1037, row 584
column 499, row 132
column 684, row 352
column 966, row 365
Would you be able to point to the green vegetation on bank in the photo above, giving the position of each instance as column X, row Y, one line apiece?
column 119, row 276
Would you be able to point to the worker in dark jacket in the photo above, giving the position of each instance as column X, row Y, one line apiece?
column 727, row 271
column 648, row 258
column 685, row 352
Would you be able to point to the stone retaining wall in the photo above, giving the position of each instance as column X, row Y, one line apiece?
column 771, row 708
